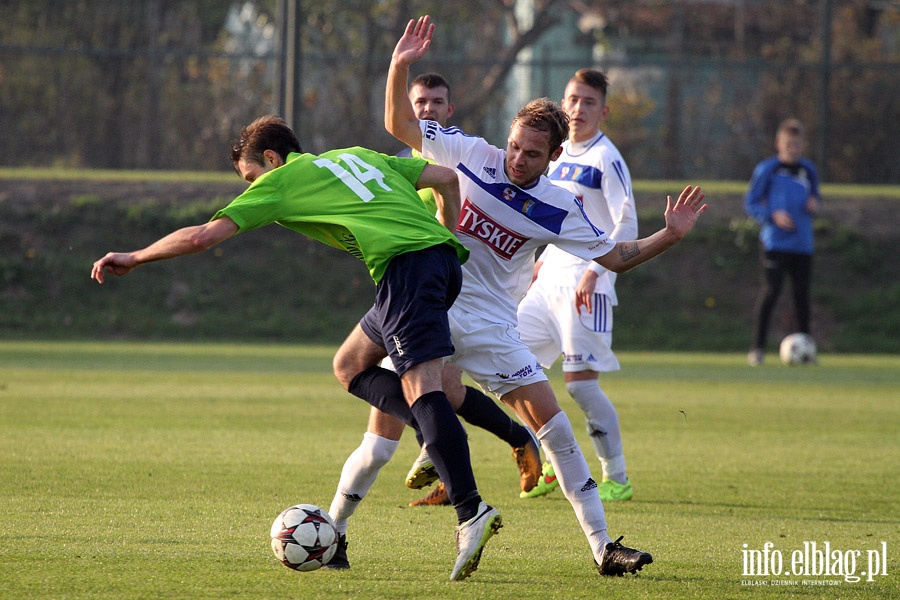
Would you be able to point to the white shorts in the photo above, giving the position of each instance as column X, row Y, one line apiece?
column 550, row 326
column 491, row 353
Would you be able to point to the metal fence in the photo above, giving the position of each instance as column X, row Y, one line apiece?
column 179, row 106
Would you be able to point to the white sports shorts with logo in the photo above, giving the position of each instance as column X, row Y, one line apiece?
column 492, row 353
column 550, row 326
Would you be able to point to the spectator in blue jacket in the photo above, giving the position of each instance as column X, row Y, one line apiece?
column 784, row 198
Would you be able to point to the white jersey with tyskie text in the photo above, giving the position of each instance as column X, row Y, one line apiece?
column 596, row 173
column 503, row 225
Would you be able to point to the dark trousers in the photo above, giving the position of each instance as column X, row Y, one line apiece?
column 775, row 266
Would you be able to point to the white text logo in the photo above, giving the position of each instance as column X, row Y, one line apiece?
column 814, row 560
column 476, row 223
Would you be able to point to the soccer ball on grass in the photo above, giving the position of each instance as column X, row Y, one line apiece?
column 798, row 349
column 303, row 537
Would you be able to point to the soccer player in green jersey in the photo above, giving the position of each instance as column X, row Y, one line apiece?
column 365, row 203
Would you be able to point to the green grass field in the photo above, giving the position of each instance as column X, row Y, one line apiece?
column 155, row 471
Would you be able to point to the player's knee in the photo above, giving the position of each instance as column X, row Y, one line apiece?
column 380, row 456
column 374, row 452
column 344, row 370
column 557, row 436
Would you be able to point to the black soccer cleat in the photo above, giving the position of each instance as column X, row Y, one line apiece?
column 339, row 560
column 618, row 560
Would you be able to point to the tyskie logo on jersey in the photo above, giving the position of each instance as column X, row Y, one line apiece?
column 475, row 223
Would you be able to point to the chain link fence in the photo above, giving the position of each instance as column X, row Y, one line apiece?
column 173, row 95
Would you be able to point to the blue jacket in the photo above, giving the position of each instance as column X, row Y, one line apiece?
column 777, row 186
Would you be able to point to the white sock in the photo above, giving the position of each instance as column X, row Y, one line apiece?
column 359, row 473
column 575, row 480
column 602, row 425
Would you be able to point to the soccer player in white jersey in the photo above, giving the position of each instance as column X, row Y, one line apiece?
column 568, row 310
column 429, row 95
column 509, row 209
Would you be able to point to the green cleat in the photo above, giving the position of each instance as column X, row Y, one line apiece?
column 613, row 491
column 546, row 484
column 422, row 473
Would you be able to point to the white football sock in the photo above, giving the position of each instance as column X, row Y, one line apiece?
column 575, row 480
column 602, row 425
column 357, row 476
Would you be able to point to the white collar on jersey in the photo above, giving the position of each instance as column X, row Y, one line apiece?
column 579, row 148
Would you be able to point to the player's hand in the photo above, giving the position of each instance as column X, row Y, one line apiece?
column 783, row 220
column 681, row 216
column 584, row 291
column 415, row 41
column 117, row 263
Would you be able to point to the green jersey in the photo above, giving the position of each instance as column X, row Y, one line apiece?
column 354, row 199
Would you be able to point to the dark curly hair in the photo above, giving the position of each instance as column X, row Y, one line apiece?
column 265, row 133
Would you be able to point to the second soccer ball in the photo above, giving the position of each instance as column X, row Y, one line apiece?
column 798, row 349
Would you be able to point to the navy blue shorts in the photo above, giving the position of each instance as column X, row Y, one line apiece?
column 409, row 317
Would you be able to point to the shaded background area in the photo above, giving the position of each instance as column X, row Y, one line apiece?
column 274, row 285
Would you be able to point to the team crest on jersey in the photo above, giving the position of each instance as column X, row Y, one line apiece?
column 570, row 172
column 585, row 175
column 491, row 171
column 475, row 223
column 509, row 194
column 528, row 206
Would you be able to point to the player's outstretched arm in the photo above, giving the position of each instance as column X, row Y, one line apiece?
column 680, row 219
column 399, row 118
column 188, row 240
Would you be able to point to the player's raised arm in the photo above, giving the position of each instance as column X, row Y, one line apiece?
column 399, row 118
column 680, row 219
